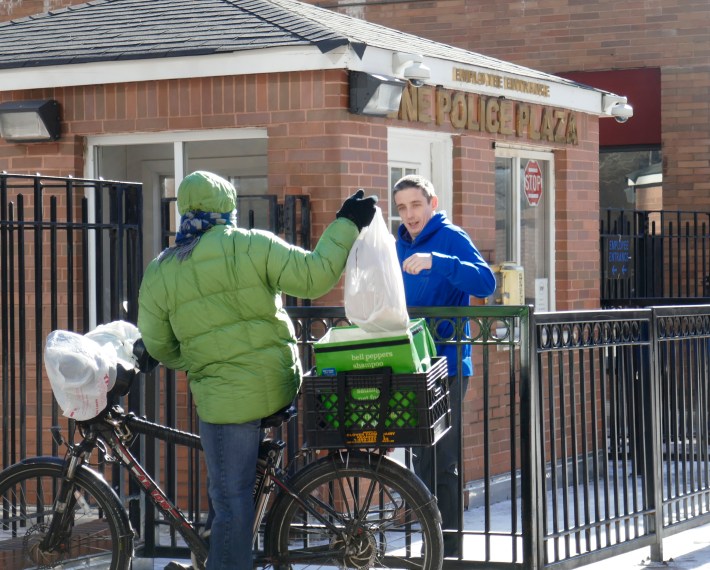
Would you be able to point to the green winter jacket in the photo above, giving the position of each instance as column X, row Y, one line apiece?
column 218, row 314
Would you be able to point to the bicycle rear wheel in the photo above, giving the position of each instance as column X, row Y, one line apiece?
column 384, row 516
column 98, row 534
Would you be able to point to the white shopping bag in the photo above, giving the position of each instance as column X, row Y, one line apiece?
column 81, row 373
column 82, row 368
column 121, row 335
column 374, row 289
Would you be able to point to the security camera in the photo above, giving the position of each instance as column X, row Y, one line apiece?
column 411, row 67
column 417, row 73
column 616, row 106
column 622, row 112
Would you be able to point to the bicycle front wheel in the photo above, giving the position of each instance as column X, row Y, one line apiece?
column 97, row 536
column 363, row 511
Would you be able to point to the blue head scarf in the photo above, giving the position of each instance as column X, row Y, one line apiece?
column 193, row 225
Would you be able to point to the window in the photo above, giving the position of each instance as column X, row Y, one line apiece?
column 525, row 220
column 161, row 160
column 616, row 166
column 420, row 152
column 396, row 172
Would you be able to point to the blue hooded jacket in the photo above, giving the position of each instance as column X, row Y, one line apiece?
column 457, row 271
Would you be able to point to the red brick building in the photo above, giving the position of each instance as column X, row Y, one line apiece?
column 151, row 90
column 146, row 106
column 656, row 53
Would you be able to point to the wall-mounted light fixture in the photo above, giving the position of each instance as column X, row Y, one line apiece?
column 374, row 94
column 29, row 121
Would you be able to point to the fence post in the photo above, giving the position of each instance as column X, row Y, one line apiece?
column 532, row 479
column 654, row 442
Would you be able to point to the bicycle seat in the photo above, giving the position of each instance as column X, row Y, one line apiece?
column 280, row 417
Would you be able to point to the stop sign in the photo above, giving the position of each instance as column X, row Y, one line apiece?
column 533, row 182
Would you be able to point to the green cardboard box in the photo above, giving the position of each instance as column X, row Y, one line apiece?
column 344, row 349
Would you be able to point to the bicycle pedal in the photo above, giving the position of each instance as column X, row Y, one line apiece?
column 177, row 566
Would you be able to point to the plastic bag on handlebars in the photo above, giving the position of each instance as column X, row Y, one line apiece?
column 83, row 369
column 121, row 335
column 81, row 373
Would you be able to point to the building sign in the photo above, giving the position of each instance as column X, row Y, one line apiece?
column 501, row 82
column 532, row 182
column 493, row 115
column 619, row 255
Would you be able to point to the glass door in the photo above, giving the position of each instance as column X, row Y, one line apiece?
column 525, row 220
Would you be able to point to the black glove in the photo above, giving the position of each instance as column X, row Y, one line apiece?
column 145, row 362
column 358, row 209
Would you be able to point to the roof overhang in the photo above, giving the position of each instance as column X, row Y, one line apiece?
column 247, row 62
column 537, row 89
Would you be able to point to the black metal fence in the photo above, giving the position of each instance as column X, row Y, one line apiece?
column 494, row 420
column 654, row 257
column 586, row 434
column 70, row 257
column 623, row 417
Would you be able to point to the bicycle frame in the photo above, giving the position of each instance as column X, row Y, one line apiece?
column 116, row 430
column 112, row 432
column 173, row 515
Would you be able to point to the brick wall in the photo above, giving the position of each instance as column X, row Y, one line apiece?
column 14, row 9
column 474, row 191
column 569, row 35
column 576, row 35
column 577, row 223
column 316, row 147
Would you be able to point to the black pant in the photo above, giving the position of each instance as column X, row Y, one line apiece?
column 442, row 460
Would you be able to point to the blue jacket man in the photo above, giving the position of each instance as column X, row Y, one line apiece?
column 442, row 268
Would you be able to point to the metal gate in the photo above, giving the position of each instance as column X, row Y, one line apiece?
column 70, row 257
column 654, row 257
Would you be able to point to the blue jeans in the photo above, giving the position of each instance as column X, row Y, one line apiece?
column 231, row 452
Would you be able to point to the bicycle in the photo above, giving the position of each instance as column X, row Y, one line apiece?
column 349, row 509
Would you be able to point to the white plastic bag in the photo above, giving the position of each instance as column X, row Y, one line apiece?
column 121, row 335
column 82, row 368
column 81, row 373
column 374, row 289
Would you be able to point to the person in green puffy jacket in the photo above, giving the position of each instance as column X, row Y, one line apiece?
column 211, row 305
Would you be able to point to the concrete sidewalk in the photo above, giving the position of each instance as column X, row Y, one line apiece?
column 689, row 550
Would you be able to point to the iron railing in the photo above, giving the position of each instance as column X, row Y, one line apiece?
column 500, row 342
column 70, row 251
column 624, row 429
column 586, row 434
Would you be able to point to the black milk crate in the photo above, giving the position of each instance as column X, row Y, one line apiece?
column 346, row 410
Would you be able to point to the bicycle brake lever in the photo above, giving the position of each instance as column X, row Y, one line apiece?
column 57, row 435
